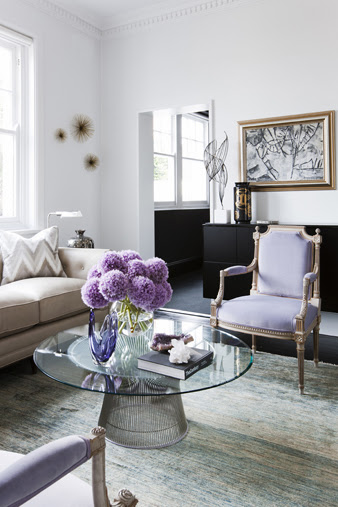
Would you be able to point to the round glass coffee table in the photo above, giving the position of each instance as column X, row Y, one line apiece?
column 142, row 409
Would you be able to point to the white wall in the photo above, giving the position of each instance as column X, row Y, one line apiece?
column 256, row 59
column 68, row 80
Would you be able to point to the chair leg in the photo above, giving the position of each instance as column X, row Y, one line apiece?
column 316, row 345
column 300, row 356
column 253, row 346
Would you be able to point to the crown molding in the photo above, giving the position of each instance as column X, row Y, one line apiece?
column 141, row 21
column 196, row 7
column 67, row 17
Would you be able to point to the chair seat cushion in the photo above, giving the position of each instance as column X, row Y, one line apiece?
column 265, row 312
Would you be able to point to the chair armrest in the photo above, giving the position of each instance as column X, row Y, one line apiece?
column 41, row 468
column 307, row 279
column 77, row 262
column 235, row 270
column 232, row 271
column 310, row 276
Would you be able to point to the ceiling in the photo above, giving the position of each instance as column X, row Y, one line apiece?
column 106, row 14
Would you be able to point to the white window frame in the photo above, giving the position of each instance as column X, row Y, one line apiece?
column 23, row 130
column 178, row 203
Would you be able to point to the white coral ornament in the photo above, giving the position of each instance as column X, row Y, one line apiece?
column 180, row 353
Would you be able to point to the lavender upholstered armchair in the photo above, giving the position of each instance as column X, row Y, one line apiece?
column 284, row 300
column 32, row 479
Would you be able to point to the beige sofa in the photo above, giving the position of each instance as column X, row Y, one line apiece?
column 35, row 308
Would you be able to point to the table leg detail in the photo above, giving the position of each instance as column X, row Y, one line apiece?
column 143, row 422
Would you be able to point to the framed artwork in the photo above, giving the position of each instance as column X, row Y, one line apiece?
column 289, row 152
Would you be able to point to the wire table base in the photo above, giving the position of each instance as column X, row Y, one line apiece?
column 143, row 422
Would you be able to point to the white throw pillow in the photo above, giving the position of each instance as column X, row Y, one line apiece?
column 30, row 258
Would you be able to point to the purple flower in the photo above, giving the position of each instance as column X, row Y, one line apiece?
column 114, row 285
column 168, row 290
column 94, row 272
column 158, row 270
column 91, row 296
column 160, row 298
column 129, row 255
column 141, row 291
column 113, row 260
column 137, row 267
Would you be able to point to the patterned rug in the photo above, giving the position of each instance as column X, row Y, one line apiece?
column 253, row 442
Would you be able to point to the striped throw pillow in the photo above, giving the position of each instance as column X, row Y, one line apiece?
column 29, row 258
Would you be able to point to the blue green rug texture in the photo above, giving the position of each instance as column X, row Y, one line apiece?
column 253, row 442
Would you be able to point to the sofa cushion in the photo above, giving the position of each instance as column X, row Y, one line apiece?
column 57, row 297
column 34, row 257
column 33, row 301
column 19, row 310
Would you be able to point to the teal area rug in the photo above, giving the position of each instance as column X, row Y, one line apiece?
column 253, row 442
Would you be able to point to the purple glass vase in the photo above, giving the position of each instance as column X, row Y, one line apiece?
column 102, row 343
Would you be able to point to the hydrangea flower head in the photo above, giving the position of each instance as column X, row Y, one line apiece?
column 91, row 294
column 160, row 298
column 123, row 276
column 158, row 270
column 167, row 287
column 129, row 255
column 137, row 267
column 141, row 291
column 113, row 285
column 113, row 260
column 94, row 272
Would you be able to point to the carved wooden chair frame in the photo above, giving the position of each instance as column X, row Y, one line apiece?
column 300, row 335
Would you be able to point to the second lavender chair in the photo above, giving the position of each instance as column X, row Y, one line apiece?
column 284, row 300
column 42, row 478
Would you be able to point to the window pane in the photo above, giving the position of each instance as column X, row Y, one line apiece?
column 7, row 176
column 164, row 179
column 194, row 181
column 163, row 132
column 193, row 138
column 6, row 62
column 6, row 118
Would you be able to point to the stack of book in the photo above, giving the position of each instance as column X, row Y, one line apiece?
column 158, row 362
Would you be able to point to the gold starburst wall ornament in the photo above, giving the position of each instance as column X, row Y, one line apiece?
column 60, row 135
column 82, row 127
column 91, row 162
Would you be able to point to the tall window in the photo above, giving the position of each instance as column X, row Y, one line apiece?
column 16, row 185
column 180, row 179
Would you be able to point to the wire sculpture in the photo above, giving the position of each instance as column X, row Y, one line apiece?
column 214, row 164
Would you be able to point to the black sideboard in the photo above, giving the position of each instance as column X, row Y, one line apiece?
column 226, row 245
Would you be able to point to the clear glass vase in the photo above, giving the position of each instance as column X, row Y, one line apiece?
column 132, row 321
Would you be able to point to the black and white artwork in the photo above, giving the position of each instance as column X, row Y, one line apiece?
column 285, row 153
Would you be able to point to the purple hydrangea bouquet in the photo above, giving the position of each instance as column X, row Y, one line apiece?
column 134, row 286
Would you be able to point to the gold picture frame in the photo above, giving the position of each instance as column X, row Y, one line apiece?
column 289, row 152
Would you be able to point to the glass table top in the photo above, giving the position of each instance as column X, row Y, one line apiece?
column 65, row 357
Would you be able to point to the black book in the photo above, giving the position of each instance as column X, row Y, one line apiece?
column 158, row 362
